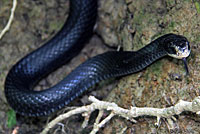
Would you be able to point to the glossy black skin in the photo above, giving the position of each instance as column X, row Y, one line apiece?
column 29, row 70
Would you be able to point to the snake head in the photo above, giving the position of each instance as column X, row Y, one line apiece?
column 177, row 46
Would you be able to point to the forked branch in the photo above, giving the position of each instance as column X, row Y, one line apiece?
column 128, row 114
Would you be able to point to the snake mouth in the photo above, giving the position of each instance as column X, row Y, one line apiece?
column 181, row 53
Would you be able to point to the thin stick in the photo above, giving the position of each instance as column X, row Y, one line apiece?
column 102, row 123
column 128, row 114
column 7, row 27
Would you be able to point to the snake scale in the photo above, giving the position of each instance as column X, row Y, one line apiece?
column 67, row 43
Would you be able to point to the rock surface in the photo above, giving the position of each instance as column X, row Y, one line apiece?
column 133, row 24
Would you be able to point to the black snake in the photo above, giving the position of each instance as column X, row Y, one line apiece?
column 66, row 44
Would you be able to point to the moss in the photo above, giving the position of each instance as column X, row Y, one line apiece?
column 6, row 2
column 197, row 40
column 156, row 68
column 11, row 122
column 197, row 5
column 35, row 12
column 55, row 25
column 172, row 25
column 170, row 3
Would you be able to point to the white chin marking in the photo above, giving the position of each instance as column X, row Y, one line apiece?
column 181, row 55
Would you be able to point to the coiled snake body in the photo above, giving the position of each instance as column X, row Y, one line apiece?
column 67, row 43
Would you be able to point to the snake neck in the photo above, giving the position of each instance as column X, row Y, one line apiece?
column 132, row 62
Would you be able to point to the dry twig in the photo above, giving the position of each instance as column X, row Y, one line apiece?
column 7, row 27
column 128, row 114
